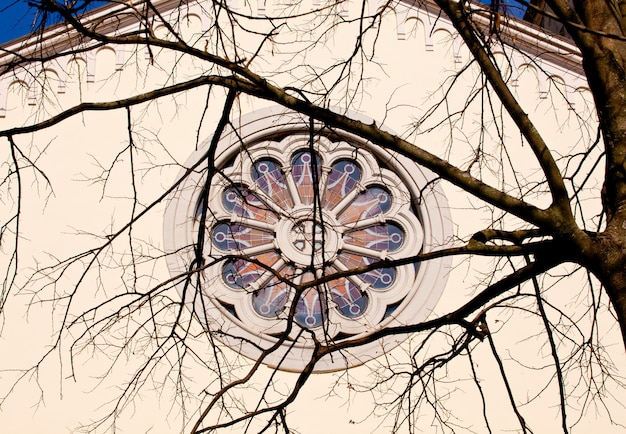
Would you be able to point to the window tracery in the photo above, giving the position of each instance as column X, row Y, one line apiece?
column 288, row 222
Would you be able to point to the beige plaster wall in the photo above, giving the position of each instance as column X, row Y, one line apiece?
column 88, row 196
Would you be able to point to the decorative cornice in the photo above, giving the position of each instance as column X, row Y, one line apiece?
column 550, row 54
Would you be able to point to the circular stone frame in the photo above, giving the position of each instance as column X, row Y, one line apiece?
column 226, row 306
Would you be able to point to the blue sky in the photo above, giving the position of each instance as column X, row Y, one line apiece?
column 17, row 18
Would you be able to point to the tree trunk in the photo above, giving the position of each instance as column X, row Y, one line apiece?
column 609, row 251
column 604, row 60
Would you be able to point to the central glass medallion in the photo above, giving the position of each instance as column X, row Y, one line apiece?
column 307, row 241
column 307, row 236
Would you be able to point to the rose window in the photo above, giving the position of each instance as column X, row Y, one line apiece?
column 301, row 232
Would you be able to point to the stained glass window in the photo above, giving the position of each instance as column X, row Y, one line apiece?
column 309, row 238
column 289, row 218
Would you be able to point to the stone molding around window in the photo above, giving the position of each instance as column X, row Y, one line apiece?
column 287, row 206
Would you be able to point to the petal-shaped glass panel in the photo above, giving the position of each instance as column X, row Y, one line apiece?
column 386, row 237
column 350, row 301
column 342, row 180
column 309, row 309
column 239, row 273
column 306, row 171
column 244, row 203
column 372, row 202
column 271, row 180
column 270, row 300
column 379, row 278
column 227, row 236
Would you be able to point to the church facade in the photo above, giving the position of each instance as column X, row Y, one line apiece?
column 182, row 228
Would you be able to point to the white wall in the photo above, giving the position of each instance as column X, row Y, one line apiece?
column 416, row 54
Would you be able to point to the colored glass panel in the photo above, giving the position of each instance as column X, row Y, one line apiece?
column 309, row 309
column 239, row 273
column 244, row 203
column 372, row 202
column 271, row 180
column 227, row 236
column 348, row 298
column 386, row 237
column 342, row 180
column 379, row 278
column 305, row 171
column 270, row 300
